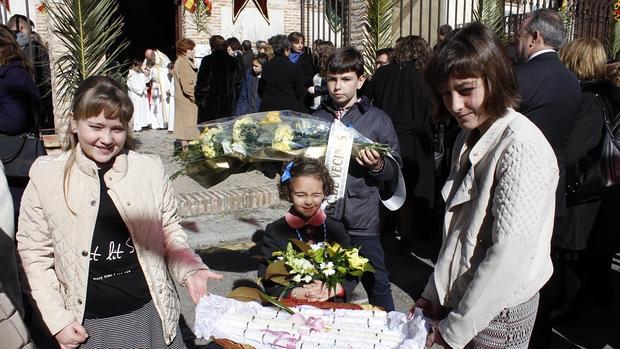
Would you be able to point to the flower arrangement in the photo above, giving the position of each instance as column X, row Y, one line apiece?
column 302, row 263
column 267, row 136
column 616, row 10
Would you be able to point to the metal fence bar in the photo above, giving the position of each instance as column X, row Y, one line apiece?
column 400, row 20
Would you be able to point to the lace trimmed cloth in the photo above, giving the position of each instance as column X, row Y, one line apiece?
column 268, row 327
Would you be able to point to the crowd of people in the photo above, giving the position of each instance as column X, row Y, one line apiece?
column 522, row 243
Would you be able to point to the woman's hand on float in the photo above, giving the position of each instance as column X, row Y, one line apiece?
column 197, row 283
column 435, row 337
column 72, row 336
column 429, row 309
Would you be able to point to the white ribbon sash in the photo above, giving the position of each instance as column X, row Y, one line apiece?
column 337, row 160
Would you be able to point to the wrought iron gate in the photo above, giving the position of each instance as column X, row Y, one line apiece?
column 338, row 20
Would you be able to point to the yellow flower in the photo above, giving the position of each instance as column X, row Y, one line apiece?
column 272, row 118
column 356, row 261
column 208, row 151
column 333, row 249
column 282, row 138
column 237, row 128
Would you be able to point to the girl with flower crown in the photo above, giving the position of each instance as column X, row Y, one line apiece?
column 305, row 183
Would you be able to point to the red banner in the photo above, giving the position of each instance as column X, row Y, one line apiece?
column 6, row 4
column 239, row 5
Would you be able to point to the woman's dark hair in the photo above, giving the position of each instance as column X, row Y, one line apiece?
column 306, row 167
column 261, row 58
column 294, row 37
column 412, row 48
column 280, row 44
column 234, row 44
column 10, row 50
column 474, row 52
column 184, row 45
column 136, row 62
column 344, row 60
column 322, row 53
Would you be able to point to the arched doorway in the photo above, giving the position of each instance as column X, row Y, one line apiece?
column 149, row 24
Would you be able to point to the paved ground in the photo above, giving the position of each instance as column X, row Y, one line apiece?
column 227, row 241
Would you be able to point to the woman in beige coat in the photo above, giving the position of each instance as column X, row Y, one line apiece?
column 185, row 109
column 99, row 238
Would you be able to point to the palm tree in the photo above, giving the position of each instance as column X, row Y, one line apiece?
column 491, row 14
column 377, row 21
column 89, row 30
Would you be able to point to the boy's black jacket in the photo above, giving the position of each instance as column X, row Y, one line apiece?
column 365, row 187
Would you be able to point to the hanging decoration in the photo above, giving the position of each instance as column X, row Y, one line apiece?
column 6, row 4
column 200, row 12
column 239, row 5
column 194, row 5
column 41, row 7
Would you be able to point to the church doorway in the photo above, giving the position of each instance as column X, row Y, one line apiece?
column 149, row 24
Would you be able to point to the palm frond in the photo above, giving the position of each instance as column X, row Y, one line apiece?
column 377, row 22
column 491, row 14
column 89, row 30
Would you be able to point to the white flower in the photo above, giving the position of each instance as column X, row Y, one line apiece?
column 317, row 246
column 329, row 272
column 297, row 278
column 307, row 278
column 280, row 258
column 327, row 268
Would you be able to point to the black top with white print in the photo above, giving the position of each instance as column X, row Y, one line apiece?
column 116, row 283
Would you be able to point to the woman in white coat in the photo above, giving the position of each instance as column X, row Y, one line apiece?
column 500, row 199
column 98, row 236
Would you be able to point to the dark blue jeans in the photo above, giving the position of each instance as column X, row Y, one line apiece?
column 377, row 284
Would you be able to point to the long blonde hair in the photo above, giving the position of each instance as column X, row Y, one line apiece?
column 97, row 94
column 586, row 58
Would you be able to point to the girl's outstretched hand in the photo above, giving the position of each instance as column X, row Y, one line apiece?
column 71, row 336
column 197, row 283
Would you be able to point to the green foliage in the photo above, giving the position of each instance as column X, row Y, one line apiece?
column 377, row 22
column 491, row 14
column 89, row 30
column 616, row 47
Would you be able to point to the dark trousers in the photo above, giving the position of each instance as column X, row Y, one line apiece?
column 377, row 284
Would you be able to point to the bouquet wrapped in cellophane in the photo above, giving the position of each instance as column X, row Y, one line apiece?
column 265, row 136
column 302, row 263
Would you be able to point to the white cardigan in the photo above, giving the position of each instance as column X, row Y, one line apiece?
column 497, row 227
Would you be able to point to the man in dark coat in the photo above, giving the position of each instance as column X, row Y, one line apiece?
column 281, row 84
column 551, row 96
column 248, row 55
column 399, row 90
column 218, row 82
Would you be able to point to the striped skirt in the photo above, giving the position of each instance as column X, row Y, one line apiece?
column 512, row 328
column 139, row 329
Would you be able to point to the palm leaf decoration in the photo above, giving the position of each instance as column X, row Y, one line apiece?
column 377, row 22
column 89, row 30
column 491, row 14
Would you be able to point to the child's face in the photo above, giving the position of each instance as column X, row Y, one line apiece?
column 298, row 46
column 306, row 195
column 343, row 87
column 100, row 138
column 463, row 99
column 257, row 68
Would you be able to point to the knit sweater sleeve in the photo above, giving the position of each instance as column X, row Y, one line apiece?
column 523, row 199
